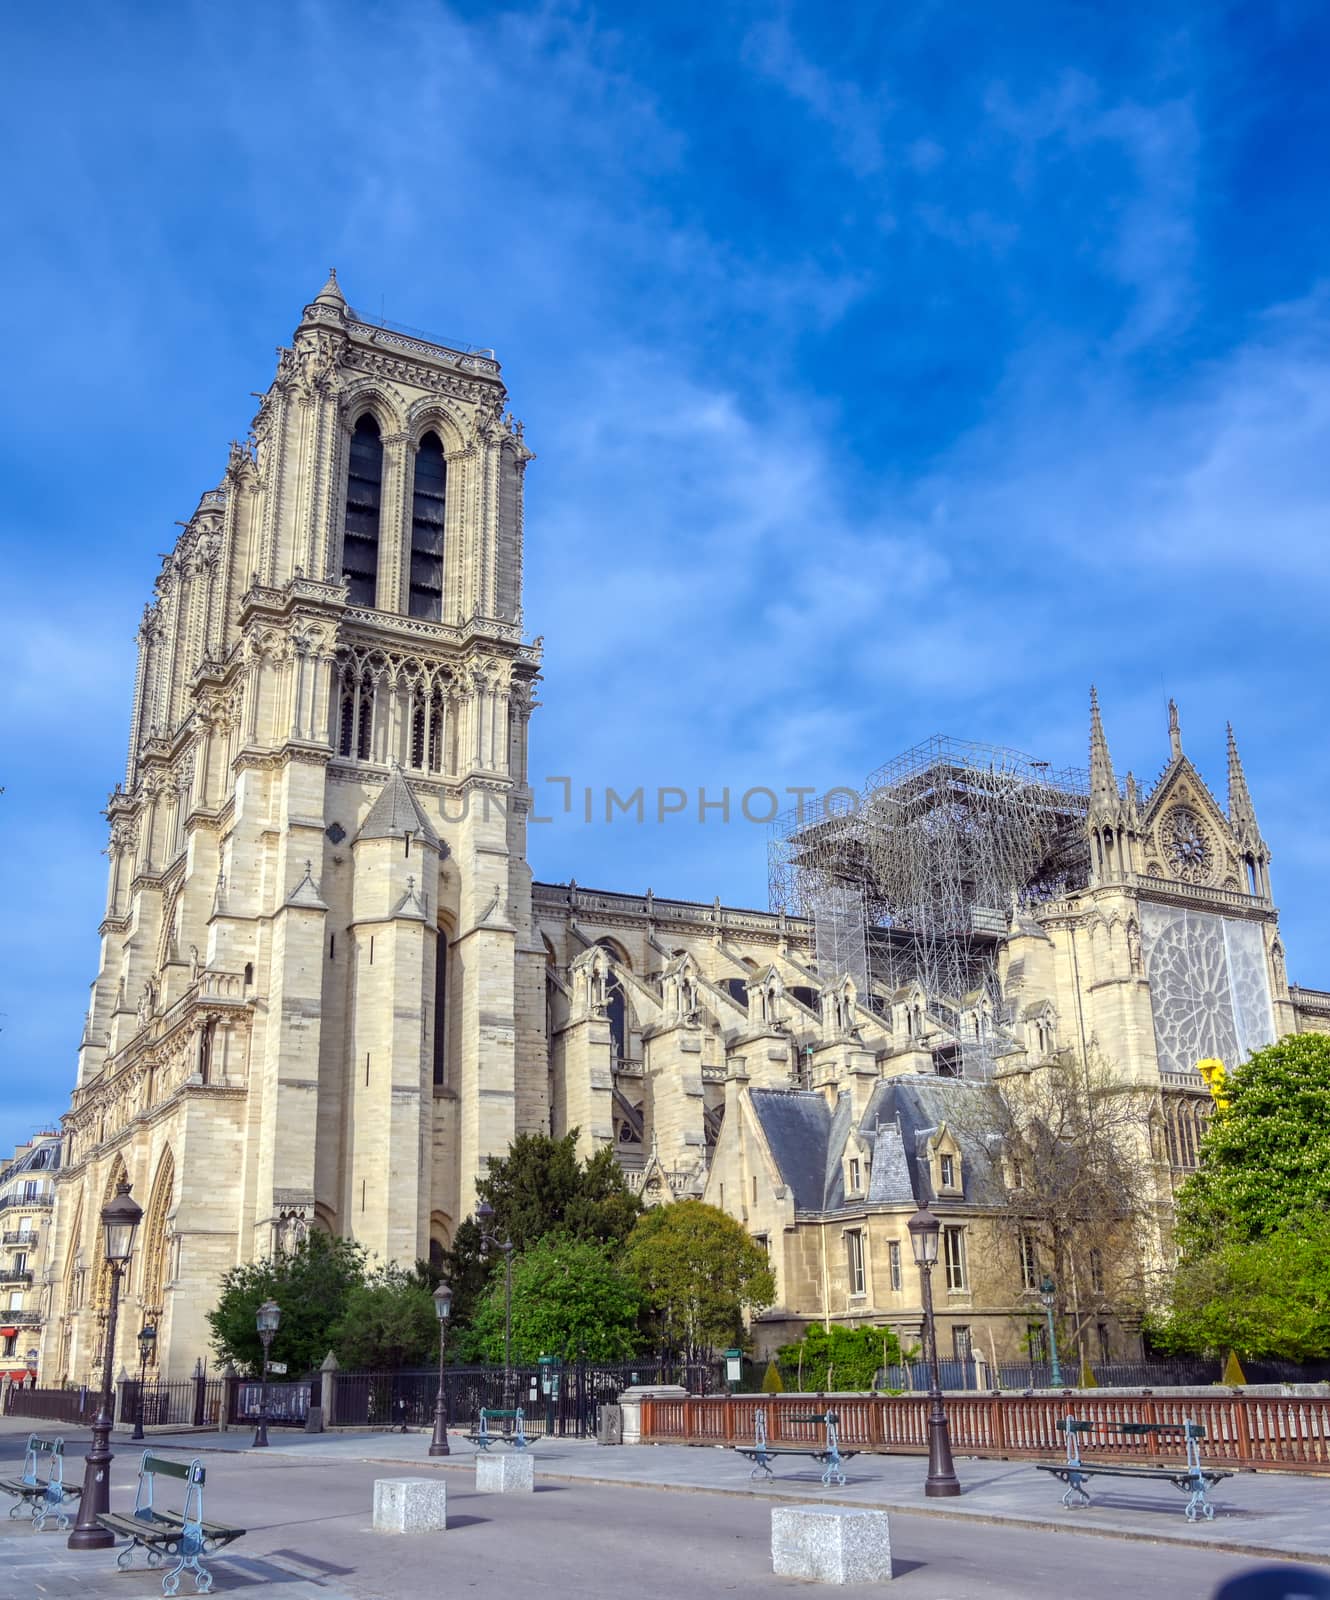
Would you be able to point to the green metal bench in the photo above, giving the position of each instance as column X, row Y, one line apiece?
column 42, row 1495
column 162, row 1532
column 829, row 1453
column 514, row 1435
column 1193, row 1479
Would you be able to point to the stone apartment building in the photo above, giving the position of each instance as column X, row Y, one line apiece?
column 27, row 1200
column 329, row 991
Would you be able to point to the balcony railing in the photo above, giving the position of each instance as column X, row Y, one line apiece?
column 20, row 1319
column 8, row 1278
column 20, row 1236
column 15, row 1201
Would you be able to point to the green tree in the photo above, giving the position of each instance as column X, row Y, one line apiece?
column 843, row 1358
column 387, row 1322
column 310, row 1283
column 541, row 1187
column 1266, row 1158
column 569, row 1299
column 1259, row 1297
column 772, row 1382
column 699, row 1272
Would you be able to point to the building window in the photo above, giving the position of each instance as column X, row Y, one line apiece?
column 440, row 1009
column 854, row 1175
column 854, row 1257
column 947, row 1166
column 763, row 1241
column 953, row 1257
column 962, row 1347
column 1096, row 1272
column 364, row 493
column 20, row 1262
column 1104, row 1352
column 427, row 508
column 1029, row 1262
column 894, row 1262
column 755, row 1188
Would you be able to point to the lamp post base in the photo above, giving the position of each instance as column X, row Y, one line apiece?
column 88, row 1533
column 941, row 1482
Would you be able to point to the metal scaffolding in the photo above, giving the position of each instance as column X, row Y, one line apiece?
column 920, row 878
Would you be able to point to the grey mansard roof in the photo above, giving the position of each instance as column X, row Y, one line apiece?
column 808, row 1137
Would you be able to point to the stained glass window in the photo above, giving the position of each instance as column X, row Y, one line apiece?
column 1209, row 990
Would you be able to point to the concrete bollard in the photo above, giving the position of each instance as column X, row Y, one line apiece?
column 830, row 1544
column 410, row 1505
column 511, row 1473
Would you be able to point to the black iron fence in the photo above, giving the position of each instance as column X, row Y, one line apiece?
column 559, row 1399
column 52, row 1405
column 191, row 1403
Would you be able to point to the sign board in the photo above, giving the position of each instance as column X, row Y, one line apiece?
column 277, row 1366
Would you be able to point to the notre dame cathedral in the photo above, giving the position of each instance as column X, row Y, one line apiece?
column 329, row 991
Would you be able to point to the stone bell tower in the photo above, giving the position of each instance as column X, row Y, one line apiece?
column 319, row 1001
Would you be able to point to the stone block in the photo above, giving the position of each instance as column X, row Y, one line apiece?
column 511, row 1472
column 410, row 1505
column 830, row 1544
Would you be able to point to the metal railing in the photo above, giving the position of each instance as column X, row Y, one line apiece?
column 19, row 1236
column 188, row 1403
column 52, row 1405
column 13, row 1200
column 1290, row 1434
column 9, row 1276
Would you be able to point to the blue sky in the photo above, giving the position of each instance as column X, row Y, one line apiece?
column 891, row 370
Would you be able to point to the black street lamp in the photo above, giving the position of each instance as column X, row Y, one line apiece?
column 147, row 1340
column 443, row 1305
column 120, row 1220
column 1048, row 1294
column 267, row 1319
column 941, row 1481
column 490, row 1240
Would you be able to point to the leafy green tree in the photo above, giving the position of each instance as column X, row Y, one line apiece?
column 387, row 1322
column 311, row 1284
column 1266, row 1158
column 541, row 1187
column 843, row 1358
column 772, row 1382
column 1260, row 1297
column 699, row 1272
column 569, row 1299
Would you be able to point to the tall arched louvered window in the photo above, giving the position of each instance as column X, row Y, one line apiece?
column 364, row 492
column 427, row 506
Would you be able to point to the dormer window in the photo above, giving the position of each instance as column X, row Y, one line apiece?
column 947, row 1171
column 855, row 1178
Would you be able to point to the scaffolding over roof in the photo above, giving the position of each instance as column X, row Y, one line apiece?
column 917, row 877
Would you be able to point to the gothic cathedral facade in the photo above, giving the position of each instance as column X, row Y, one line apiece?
column 329, row 992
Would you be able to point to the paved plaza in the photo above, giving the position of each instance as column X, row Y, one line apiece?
column 657, row 1521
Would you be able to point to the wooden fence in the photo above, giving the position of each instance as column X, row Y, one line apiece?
column 1291, row 1435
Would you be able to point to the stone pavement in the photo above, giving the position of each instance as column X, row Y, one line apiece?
column 599, row 1527
column 1277, row 1514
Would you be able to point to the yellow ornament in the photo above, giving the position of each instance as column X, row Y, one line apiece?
column 1216, row 1080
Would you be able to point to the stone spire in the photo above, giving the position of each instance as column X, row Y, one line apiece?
column 1103, row 785
column 1241, row 812
column 1174, row 731
column 331, row 293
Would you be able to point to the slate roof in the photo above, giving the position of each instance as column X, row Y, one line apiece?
column 395, row 811
column 808, row 1136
